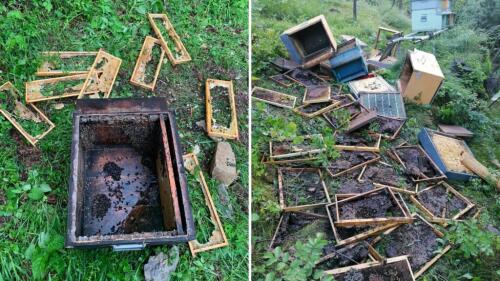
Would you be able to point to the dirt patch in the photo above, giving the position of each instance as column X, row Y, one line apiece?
column 100, row 205
column 303, row 187
column 386, row 126
column 313, row 107
column 397, row 271
column 112, row 170
column 356, row 139
column 349, row 159
column 375, row 205
column 306, row 78
column 440, row 202
column 26, row 153
column 417, row 240
column 335, row 258
column 349, row 184
column 417, row 164
column 344, row 99
column 347, row 232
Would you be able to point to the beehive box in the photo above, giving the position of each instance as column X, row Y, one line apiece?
column 349, row 62
column 127, row 187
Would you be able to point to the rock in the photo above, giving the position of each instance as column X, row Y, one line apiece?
column 58, row 106
column 161, row 266
column 202, row 125
column 224, row 164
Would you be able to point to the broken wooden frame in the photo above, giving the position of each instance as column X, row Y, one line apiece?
column 375, row 158
column 440, row 175
column 215, row 130
column 179, row 46
column 218, row 238
column 430, row 262
column 280, row 222
column 298, row 151
column 282, row 191
column 34, row 88
column 277, row 97
column 382, row 185
column 109, row 65
column 441, row 218
column 318, row 108
column 400, row 260
column 329, row 118
column 268, row 160
column 317, row 94
column 373, row 255
column 373, row 221
column 34, row 113
column 293, row 76
column 45, row 68
column 282, row 80
column 145, row 57
column 372, row 231
column 374, row 148
column 396, row 133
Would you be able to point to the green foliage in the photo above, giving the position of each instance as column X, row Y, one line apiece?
column 472, row 241
column 282, row 265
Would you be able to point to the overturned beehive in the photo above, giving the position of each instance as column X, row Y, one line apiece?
column 128, row 185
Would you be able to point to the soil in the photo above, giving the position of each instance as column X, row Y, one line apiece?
column 100, row 205
column 314, row 93
column 348, row 184
column 112, row 170
column 273, row 97
column 345, row 256
column 397, row 271
column 26, row 153
column 281, row 79
column 355, row 139
column 385, row 175
column 417, row 240
column 375, row 205
column 416, row 163
column 303, row 188
column 349, row 159
column 388, row 126
column 344, row 99
column 348, row 232
column 439, row 202
column 221, row 107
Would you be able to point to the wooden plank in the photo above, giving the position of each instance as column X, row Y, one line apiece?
column 215, row 130
column 328, row 106
column 181, row 54
column 317, row 94
column 362, row 120
column 218, row 238
column 145, row 56
column 456, row 131
column 34, row 112
column 310, row 151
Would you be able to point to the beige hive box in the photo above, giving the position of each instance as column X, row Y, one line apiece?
column 421, row 77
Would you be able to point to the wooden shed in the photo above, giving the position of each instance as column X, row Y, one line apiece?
column 431, row 15
column 420, row 77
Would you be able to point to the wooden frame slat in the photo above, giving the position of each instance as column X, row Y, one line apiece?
column 145, row 56
column 184, row 57
column 34, row 88
column 276, row 93
column 220, row 131
column 44, row 68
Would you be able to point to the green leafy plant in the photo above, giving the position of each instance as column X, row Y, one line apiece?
column 472, row 241
column 283, row 265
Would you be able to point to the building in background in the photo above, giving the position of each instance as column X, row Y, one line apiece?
column 431, row 15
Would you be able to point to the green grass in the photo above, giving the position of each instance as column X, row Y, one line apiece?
column 461, row 101
column 214, row 33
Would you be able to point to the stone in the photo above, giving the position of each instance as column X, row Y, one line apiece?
column 161, row 266
column 224, row 164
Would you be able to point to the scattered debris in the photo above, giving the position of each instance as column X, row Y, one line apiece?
column 161, row 266
column 358, row 142
column 421, row 77
column 221, row 122
column 31, row 123
column 148, row 64
column 418, row 164
column 315, row 109
column 165, row 32
column 101, row 76
column 352, row 254
column 362, row 119
column 384, row 175
column 306, row 78
column 317, row 94
column 310, row 42
column 223, row 167
column 289, row 149
column 218, row 238
column 301, row 188
column 273, row 97
column 284, row 65
column 348, row 63
column 58, row 106
column 65, row 63
column 282, row 80
column 349, row 161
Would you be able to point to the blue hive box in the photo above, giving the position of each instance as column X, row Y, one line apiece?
column 425, row 138
column 310, row 42
column 349, row 63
